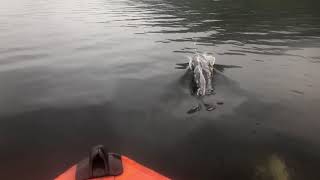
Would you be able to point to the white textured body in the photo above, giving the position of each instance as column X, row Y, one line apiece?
column 202, row 67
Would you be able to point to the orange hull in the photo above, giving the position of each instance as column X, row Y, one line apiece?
column 131, row 171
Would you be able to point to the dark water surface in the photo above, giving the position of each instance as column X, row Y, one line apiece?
column 77, row 73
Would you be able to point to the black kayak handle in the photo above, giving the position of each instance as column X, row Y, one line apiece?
column 99, row 164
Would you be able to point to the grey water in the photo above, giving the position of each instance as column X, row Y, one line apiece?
column 76, row 73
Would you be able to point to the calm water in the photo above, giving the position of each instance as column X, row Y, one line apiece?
column 79, row 73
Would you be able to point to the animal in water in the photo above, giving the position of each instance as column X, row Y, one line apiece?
column 200, row 73
column 202, row 67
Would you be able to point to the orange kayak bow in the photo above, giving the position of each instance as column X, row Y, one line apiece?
column 109, row 166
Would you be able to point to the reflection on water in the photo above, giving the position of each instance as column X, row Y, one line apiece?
column 75, row 73
column 274, row 168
